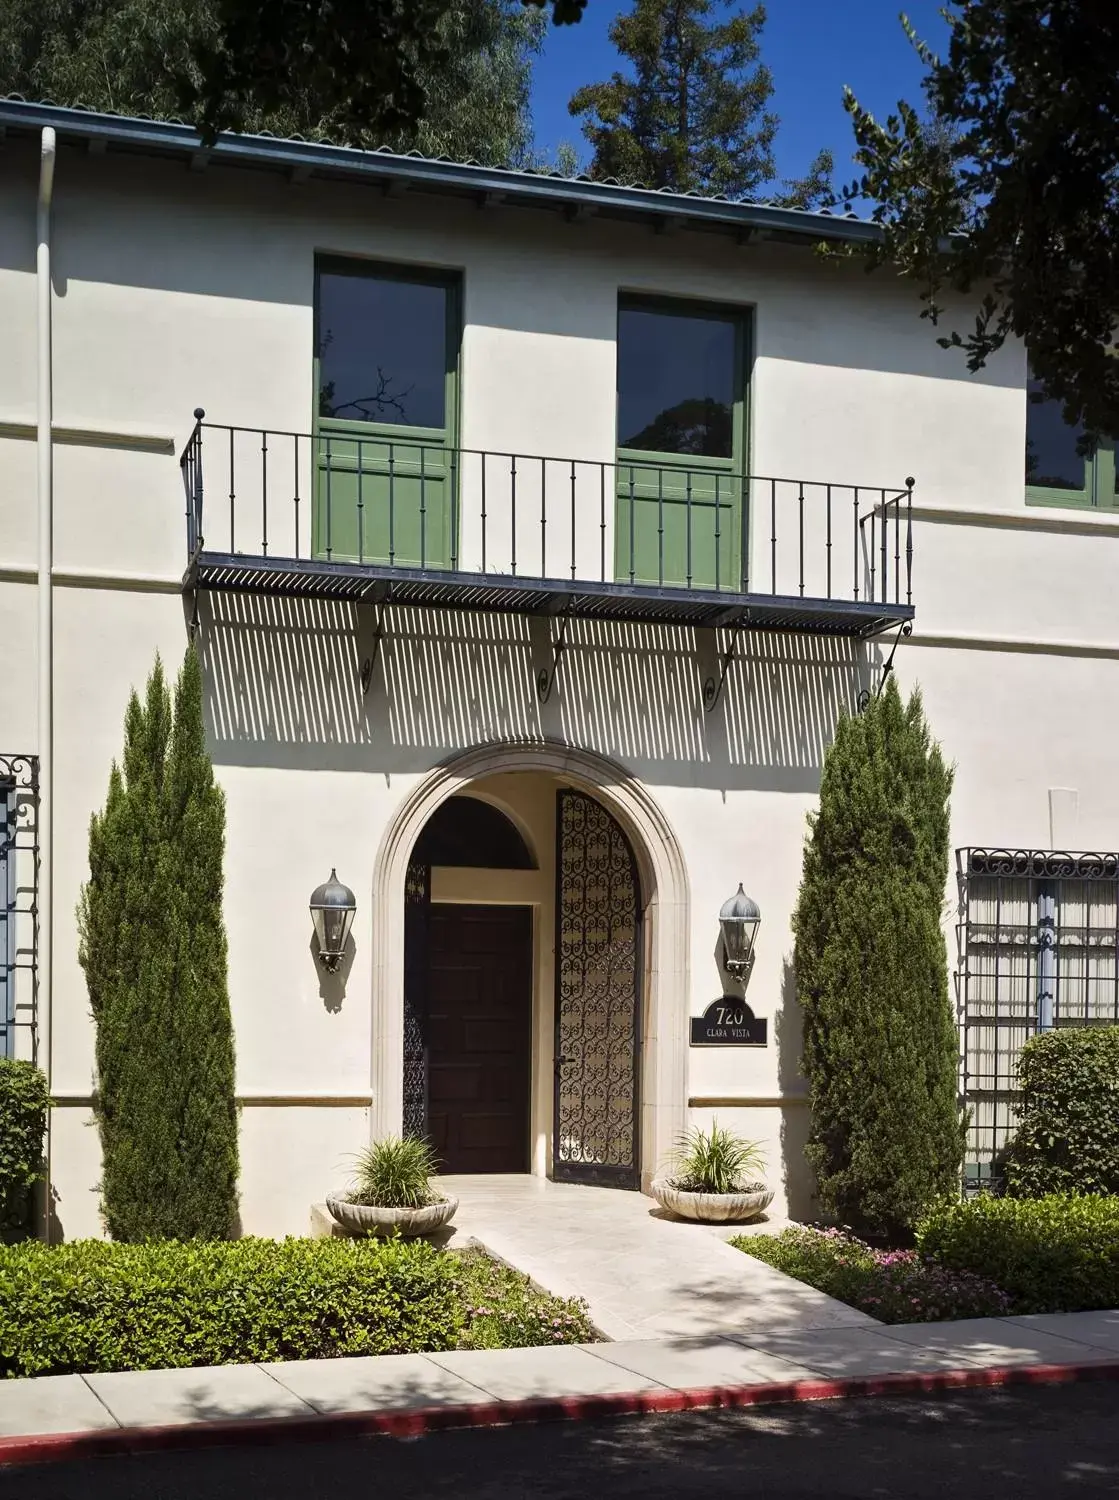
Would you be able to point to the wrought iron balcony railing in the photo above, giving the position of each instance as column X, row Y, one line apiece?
column 397, row 519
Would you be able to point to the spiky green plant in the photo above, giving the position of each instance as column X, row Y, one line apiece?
column 394, row 1172
column 715, row 1161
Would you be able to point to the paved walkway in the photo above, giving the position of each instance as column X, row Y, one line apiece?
column 643, row 1275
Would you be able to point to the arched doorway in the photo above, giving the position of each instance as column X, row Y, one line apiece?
column 659, row 944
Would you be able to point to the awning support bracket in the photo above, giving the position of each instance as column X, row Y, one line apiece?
column 712, row 688
column 863, row 700
column 546, row 677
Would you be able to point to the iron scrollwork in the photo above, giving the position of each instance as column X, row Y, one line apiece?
column 598, row 985
column 417, row 897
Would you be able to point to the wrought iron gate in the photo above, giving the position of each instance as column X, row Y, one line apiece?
column 1038, row 948
column 598, row 997
column 417, row 907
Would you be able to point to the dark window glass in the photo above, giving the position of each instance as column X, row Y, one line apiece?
column 467, row 831
column 382, row 346
column 676, row 383
column 1052, row 462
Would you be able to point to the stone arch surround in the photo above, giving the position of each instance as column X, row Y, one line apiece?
column 664, row 888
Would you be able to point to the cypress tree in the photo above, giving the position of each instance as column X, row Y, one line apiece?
column 154, row 953
column 880, row 1047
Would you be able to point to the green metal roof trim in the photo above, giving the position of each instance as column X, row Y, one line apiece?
column 303, row 159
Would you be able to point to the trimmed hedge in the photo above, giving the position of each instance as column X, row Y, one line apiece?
column 1068, row 1136
column 1053, row 1254
column 93, row 1306
column 23, row 1124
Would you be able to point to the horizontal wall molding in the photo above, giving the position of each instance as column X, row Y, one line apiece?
column 92, row 437
column 1028, row 645
column 1034, row 518
column 256, row 1101
column 92, row 578
column 745, row 1101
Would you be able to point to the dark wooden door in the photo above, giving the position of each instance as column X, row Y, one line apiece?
column 479, row 1033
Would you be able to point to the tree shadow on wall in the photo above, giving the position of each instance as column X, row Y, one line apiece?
column 800, row 1185
column 284, row 689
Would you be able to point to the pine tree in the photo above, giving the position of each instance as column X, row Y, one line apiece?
column 693, row 117
column 154, row 953
column 880, row 1045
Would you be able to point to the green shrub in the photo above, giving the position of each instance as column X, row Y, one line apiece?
column 153, row 949
column 504, row 1310
column 828, row 1259
column 1055, row 1254
column 894, row 1286
column 715, row 1161
column 394, row 1172
column 23, row 1124
column 880, row 1045
column 1068, row 1135
column 94, row 1306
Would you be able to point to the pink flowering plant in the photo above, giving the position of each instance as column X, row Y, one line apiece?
column 503, row 1309
column 894, row 1286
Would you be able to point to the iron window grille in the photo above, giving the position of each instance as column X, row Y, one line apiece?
column 1038, row 942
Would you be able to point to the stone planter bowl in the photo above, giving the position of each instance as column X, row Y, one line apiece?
column 409, row 1223
column 711, row 1208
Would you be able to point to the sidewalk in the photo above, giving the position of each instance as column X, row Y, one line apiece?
column 71, row 1415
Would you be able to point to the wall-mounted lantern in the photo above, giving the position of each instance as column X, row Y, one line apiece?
column 739, row 918
column 332, row 912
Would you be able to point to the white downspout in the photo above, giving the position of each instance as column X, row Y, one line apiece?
column 45, row 490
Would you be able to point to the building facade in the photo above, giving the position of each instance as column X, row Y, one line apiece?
column 534, row 534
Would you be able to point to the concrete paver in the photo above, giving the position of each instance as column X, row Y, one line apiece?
column 852, row 1352
column 52, row 1403
column 548, row 1373
column 698, row 1363
column 995, row 1341
column 158, row 1398
column 1098, row 1329
column 383, row 1382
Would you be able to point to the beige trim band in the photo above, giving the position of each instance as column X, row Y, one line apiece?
column 1054, row 518
column 1026, row 645
column 92, row 578
column 745, row 1101
column 92, row 437
column 266, row 1101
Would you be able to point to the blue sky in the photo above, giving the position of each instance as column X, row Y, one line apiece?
column 813, row 48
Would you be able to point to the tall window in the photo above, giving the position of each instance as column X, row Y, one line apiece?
column 1057, row 472
column 680, row 516
column 386, row 355
column 677, row 381
column 382, row 347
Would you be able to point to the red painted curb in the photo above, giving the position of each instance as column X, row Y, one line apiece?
column 269, row 1431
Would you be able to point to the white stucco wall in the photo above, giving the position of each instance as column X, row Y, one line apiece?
column 177, row 289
